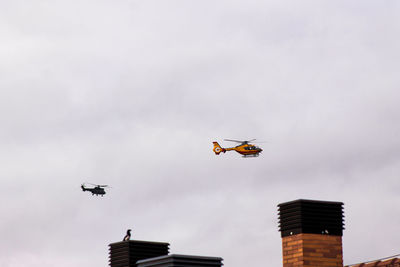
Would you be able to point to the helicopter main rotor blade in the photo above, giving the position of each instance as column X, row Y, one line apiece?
column 242, row 142
column 237, row 141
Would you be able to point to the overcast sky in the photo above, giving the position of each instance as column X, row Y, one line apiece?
column 132, row 94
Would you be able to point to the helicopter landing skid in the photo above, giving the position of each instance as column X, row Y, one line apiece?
column 251, row 156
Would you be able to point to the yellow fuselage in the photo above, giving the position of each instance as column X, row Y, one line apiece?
column 244, row 149
column 247, row 149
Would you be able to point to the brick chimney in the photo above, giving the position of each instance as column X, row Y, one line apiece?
column 311, row 233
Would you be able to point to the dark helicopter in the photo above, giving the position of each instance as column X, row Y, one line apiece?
column 96, row 190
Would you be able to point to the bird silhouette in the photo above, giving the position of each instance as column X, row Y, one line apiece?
column 127, row 236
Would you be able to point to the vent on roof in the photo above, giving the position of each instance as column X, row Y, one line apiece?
column 127, row 253
column 311, row 216
column 175, row 260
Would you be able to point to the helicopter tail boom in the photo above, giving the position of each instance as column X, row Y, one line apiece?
column 218, row 149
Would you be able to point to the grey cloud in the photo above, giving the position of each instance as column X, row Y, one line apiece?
column 132, row 94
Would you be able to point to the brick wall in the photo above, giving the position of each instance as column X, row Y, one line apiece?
column 312, row 250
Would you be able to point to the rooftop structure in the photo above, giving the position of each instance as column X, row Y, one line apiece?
column 135, row 253
column 311, row 233
column 127, row 253
column 393, row 261
column 181, row 260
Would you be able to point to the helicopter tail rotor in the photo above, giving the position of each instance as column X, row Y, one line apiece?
column 218, row 149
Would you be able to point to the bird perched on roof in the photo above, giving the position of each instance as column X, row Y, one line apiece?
column 127, row 236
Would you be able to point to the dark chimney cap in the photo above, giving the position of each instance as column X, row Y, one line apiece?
column 311, row 216
column 127, row 253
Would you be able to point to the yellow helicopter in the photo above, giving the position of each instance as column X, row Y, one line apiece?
column 244, row 148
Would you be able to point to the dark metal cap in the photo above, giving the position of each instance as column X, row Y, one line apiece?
column 312, row 217
column 181, row 260
column 127, row 253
